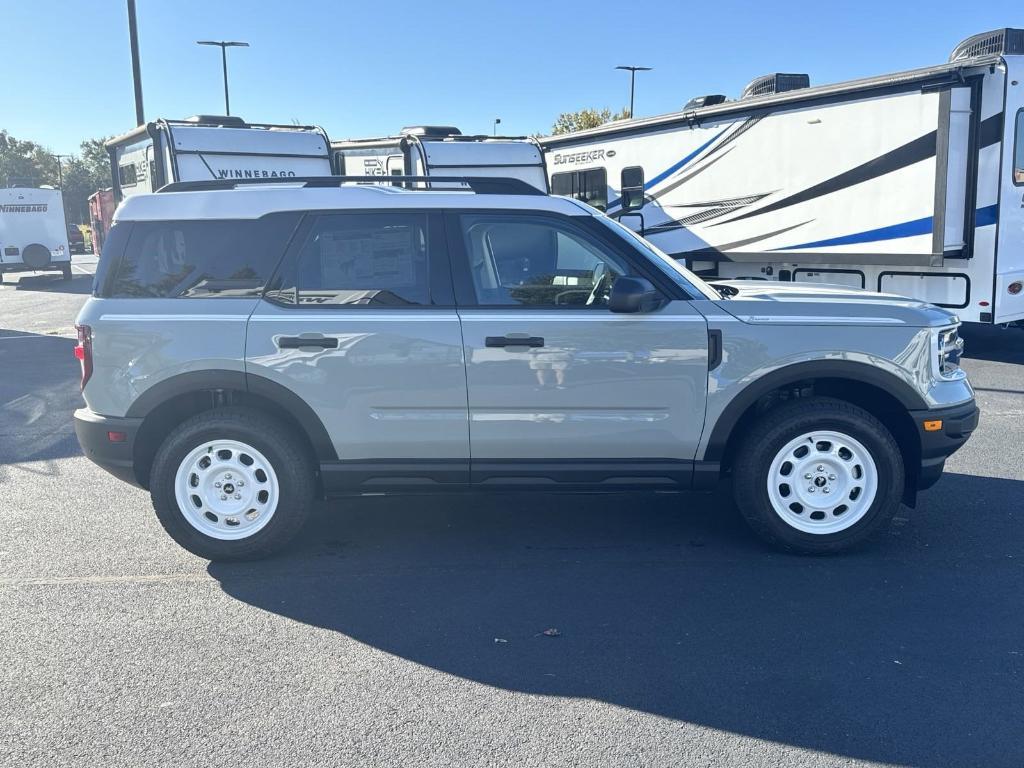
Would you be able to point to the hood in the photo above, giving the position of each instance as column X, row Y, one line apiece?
column 771, row 302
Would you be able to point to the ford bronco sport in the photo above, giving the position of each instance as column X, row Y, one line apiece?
column 250, row 347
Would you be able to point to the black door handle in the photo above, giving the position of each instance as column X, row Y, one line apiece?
column 295, row 342
column 514, row 341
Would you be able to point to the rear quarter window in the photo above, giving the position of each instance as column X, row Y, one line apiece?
column 206, row 258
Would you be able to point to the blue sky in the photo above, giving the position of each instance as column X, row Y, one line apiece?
column 362, row 69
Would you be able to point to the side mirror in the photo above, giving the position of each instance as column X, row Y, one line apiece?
column 633, row 294
column 633, row 199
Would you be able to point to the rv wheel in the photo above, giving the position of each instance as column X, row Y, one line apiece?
column 36, row 256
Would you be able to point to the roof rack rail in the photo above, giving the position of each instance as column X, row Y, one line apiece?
column 481, row 185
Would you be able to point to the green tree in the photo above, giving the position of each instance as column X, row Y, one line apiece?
column 28, row 163
column 581, row 120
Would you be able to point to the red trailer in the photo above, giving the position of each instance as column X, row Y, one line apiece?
column 101, row 215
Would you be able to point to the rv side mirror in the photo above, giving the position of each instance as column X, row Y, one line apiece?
column 633, row 294
column 632, row 199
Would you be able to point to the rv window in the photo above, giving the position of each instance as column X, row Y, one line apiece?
column 526, row 261
column 208, row 259
column 632, row 186
column 1018, row 154
column 369, row 259
column 590, row 187
column 127, row 176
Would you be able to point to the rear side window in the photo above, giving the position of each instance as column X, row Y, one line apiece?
column 209, row 258
column 363, row 259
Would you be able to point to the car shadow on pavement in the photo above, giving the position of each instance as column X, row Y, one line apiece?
column 902, row 652
column 39, row 391
column 53, row 283
column 993, row 343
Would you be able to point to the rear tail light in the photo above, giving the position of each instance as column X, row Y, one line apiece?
column 83, row 352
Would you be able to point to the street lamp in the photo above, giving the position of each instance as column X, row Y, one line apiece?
column 632, row 82
column 60, row 171
column 224, row 45
column 497, row 122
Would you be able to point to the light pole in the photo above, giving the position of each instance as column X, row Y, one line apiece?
column 224, row 45
column 632, row 82
column 60, row 172
column 497, row 122
column 133, row 39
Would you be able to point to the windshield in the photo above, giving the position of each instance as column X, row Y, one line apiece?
column 679, row 274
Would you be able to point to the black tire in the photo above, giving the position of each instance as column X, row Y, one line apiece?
column 65, row 271
column 769, row 435
column 282, row 448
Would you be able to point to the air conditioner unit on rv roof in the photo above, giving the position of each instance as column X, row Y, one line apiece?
column 1006, row 41
column 777, row 82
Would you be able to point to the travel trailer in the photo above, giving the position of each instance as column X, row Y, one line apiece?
column 212, row 147
column 442, row 151
column 908, row 183
column 33, row 231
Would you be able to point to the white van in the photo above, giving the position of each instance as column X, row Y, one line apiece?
column 33, row 231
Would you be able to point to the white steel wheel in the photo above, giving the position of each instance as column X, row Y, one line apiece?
column 226, row 490
column 822, row 482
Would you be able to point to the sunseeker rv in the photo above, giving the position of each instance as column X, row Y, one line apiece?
column 442, row 151
column 908, row 183
column 213, row 147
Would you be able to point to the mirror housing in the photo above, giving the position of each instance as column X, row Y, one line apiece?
column 634, row 294
column 633, row 199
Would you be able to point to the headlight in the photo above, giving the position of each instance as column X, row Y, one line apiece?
column 948, row 349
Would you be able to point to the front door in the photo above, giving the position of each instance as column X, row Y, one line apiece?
column 360, row 326
column 560, row 388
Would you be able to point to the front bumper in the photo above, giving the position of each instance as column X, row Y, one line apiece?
column 958, row 422
column 94, row 435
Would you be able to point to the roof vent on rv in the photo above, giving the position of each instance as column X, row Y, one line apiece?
column 431, row 130
column 1004, row 41
column 777, row 82
column 228, row 121
column 704, row 101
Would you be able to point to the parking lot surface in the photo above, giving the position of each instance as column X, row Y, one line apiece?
column 411, row 631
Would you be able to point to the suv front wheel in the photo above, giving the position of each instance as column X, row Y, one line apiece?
column 232, row 484
column 818, row 475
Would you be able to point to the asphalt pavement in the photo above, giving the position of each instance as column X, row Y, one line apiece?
column 411, row 631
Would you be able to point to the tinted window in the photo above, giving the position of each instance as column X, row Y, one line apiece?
column 591, row 187
column 376, row 259
column 527, row 261
column 1018, row 154
column 230, row 258
column 127, row 175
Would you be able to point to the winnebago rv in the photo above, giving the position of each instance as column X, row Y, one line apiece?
column 442, row 151
column 33, row 231
column 211, row 147
column 907, row 183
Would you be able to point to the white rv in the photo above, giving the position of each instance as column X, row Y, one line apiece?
column 442, row 151
column 209, row 147
column 908, row 183
column 33, row 231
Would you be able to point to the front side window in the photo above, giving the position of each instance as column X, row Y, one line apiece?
column 536, row 262
column 202, row 258
column 1018, row 152
column 371, row 259
column 127, row 175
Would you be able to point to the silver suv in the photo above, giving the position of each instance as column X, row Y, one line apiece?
column 251, row 347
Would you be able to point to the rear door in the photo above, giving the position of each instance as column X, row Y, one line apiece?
column 360, row 324
column 562, row 390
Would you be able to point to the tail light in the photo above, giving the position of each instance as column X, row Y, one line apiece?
column 83, row 352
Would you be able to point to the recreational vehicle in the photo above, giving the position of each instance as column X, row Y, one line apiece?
column 33, row 231
column 442, row 151
column 907, row 183
column 211, row 147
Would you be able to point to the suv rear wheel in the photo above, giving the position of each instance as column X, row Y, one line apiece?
column 232, row 484
column 818, row 475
